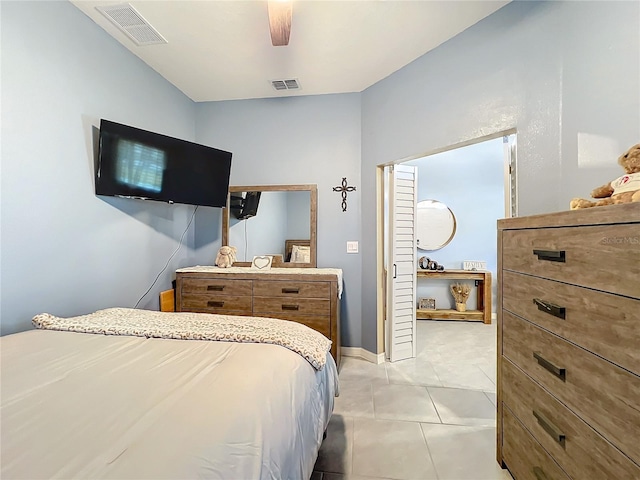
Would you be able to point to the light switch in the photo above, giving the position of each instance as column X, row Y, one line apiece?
column 352, row 247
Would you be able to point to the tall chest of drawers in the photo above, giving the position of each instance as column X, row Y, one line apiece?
column 569, row 344
column 307, row 296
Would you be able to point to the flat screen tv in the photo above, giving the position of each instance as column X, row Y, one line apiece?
column 135, row 163
column 244, row 206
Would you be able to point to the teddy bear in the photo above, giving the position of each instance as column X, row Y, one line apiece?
column 226, row 256
column 625, row 189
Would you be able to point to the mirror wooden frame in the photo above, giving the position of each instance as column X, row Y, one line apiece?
column 313, row 219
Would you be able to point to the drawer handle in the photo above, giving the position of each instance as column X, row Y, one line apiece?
column 290, row 290
column 289, row 307
column 550, row 308
column 549, row 427
column 550, row 255
column 539, row 473
column 547, row 365
column 211, row 303
column 215, row 288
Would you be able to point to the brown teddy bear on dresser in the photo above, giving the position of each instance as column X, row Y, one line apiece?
column 226, row 256
column 624, row 189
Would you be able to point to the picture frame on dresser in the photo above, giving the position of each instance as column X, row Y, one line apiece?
column 568, row 361
column 262, row 262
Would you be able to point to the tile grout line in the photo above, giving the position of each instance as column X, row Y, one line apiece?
column 434, row 405
column 436, row 373
column 484, row 373
column 490, row 399
column 424, row 437
column 373, row 401
column 353, row 443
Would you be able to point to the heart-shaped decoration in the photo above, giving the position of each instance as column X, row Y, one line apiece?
column 262, row 262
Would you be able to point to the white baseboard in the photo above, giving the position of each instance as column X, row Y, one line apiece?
column 494, row 316
column 359, row 352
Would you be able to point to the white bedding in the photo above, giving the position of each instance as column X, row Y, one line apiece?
column 78, row 405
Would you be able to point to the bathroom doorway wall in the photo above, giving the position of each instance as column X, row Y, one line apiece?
column 478, row 181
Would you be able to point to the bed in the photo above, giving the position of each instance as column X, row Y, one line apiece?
column 82, row 398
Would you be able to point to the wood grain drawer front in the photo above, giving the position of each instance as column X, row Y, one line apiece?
column 606, row 258
column 228, row 304
column 602, row 323
column 291, row 306
column 216, row 286
column 604, row 395
column 319, row 323
column 277, row 288
column 525, row 458
column 577, row 447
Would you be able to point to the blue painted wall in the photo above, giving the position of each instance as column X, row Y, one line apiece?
column 299, row 140
column 64, row 250
column 470, row 181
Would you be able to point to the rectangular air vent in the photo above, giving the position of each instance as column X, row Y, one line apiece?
column 132, row 24
column 289, row 84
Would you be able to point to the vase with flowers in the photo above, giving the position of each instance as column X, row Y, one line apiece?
column 460, row 292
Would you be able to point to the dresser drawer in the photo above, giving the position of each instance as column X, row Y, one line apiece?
column 579, row 449
column 216, row 286
column 606, row 324
column 606, row 258
column 603, row 395
column 308, row 298
column 291, row 306
column 319, row 323
column 222, row 304
column 525, row 458
column 277, row 288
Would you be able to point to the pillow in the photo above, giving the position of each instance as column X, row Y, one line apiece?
column 300, row 254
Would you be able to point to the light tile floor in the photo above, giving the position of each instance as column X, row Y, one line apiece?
column 431, row 417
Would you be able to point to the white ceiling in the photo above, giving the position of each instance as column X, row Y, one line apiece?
column 221, row 50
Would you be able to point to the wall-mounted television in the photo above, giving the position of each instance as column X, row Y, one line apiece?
column 244, row 205
column 135, row 163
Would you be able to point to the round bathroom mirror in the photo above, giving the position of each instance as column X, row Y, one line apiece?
column 435, row 225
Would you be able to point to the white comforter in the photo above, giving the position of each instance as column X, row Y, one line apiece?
column 78, row 405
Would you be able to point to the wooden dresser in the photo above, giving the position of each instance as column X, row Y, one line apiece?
column 569, row 344
column 308, row 296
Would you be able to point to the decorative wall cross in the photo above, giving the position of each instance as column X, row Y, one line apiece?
column 344, row 189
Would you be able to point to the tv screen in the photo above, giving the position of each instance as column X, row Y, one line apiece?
column 244, row 206
column 135, row 163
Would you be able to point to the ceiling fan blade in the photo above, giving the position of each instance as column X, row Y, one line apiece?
column 280, row 22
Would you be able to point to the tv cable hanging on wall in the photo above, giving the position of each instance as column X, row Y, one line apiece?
column 172, row 255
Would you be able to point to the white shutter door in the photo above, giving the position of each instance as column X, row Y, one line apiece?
column 401, row 273
column 510, row 197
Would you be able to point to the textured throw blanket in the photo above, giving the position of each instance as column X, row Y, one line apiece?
column 308, row 343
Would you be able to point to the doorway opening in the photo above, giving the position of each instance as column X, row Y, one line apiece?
column 477, row 181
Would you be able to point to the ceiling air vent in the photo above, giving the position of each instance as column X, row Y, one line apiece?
column 290, row 84
column 127, row 19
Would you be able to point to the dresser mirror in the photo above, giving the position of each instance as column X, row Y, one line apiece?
column 276, row 220
column 435, row 225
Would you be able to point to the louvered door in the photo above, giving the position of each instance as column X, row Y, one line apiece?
column 401, row 277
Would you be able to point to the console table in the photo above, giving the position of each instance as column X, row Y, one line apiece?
column 483, row 289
